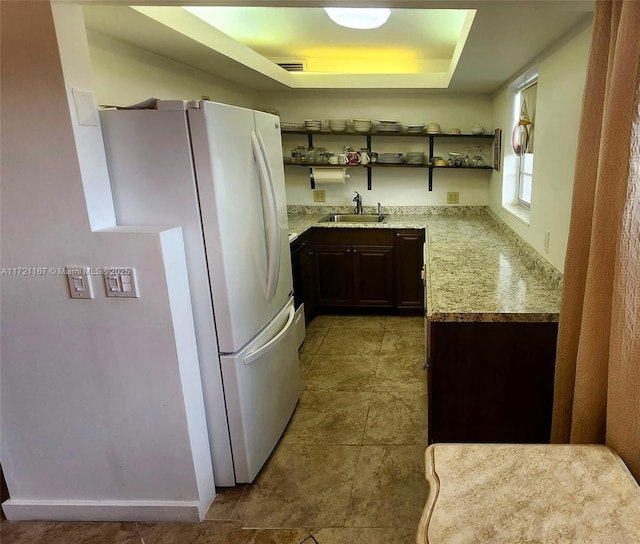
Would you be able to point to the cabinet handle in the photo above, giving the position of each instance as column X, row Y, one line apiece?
column 348, row 251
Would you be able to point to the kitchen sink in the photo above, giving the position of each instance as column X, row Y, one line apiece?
column 355, row 218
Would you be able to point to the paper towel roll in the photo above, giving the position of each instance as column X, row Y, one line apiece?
column 329, row 176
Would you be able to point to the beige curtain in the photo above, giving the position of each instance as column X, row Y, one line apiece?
column 597, row 388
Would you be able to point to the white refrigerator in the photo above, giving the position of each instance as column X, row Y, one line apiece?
column 217, row 171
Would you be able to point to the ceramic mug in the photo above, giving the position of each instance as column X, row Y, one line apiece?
column 353, row 157
column 343, row 159
column 333, row 160
column 364, row 157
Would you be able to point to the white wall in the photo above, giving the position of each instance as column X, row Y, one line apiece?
column 102, row 409
column 124, row 74
column 395, row 186
column 560, row 86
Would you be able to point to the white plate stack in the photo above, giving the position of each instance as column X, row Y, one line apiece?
column 312, row 125
column 291, row 126
column 388, row 126
column 415, row 129
column 390, row 158
column 415, row 157
column 362, row 125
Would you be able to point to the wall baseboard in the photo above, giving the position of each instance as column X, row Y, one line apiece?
column 142, row 511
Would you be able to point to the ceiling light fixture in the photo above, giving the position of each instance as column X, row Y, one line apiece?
column 360, row 18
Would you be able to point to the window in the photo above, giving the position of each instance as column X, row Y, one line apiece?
column 523, row 140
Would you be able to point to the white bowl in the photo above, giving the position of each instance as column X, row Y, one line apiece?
column 362, row 125
column 337, row 125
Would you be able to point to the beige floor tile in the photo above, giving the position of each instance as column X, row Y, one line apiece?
column 403, row 324
column 305, row 361
column 225, row 502
column 360, row 535
column 401, row 372
column 206, row 532
column 397, row 418
column 328, row 417
column 389, row 488
column 340, row 373
column 352, row 342
column 405, row 342
column 302, row 485
column 268, row 536
column 312, row 341
column 350, row 322
column 23, row 532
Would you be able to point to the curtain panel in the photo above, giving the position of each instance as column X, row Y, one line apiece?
column 597, row 382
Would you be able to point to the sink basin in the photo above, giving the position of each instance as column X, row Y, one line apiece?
column 355, row 218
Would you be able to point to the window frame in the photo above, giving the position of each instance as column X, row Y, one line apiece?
column 521, row 172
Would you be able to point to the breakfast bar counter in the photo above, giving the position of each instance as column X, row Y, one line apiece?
column 528, row 493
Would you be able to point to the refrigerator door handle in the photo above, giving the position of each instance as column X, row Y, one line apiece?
column 276, row 223
column 253, row 355
column 273, row 232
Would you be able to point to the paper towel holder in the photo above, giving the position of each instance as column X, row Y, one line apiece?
column 336, row 176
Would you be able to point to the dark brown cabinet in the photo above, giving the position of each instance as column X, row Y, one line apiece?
column 491, row 381
column 372, row 276
column 354, row 267
column 334, row 275
column 408, row 247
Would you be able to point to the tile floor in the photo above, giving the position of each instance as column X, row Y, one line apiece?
column 349, row 468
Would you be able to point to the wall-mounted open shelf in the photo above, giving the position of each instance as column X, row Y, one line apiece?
column 374, row 166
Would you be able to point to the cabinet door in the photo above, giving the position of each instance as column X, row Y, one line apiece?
column 373, row 276
column 333, row 275
column 491, row 381
column 409, row 259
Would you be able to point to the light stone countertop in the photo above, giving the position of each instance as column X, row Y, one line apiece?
column 475, row 272
column 508, row 493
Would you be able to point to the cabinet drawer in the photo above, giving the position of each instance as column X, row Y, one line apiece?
column 346, row 236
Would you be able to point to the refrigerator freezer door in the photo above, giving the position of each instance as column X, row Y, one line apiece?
column 262, row 386
column 235, row 217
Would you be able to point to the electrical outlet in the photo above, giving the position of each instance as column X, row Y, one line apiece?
column 547, row 236
column 319, row 196
column 453, row 198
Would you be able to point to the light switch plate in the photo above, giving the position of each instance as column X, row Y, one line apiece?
column 319, row 196
column 453, row 198
column 86, row 108
column 121, row 283
column 79, row 282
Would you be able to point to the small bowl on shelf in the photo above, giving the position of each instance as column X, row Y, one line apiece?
column 477, row 130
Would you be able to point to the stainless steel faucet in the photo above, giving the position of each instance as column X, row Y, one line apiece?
column 379, row 208
column 358, row 200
